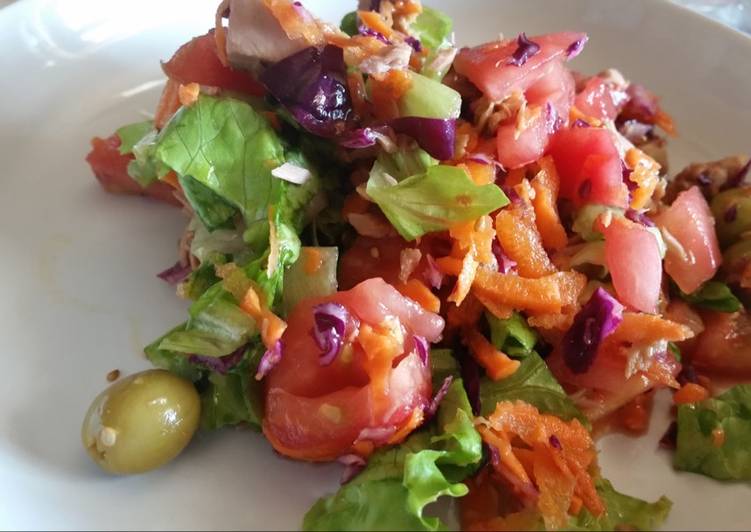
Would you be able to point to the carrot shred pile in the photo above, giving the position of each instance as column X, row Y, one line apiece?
column 546, row 461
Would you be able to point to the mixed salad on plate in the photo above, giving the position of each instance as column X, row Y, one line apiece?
column 447, row 268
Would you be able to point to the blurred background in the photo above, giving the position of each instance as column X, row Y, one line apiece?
column 734, row 13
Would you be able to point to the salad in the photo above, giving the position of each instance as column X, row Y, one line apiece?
column 448, row 269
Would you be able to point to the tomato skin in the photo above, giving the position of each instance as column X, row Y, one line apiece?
column 633, row 257
column 315, row 412
column 110, row 168
column 487, row 65
column 589, row 166
column 601, row 99
column 554, row 93
column 197, row 62
column 690, row 221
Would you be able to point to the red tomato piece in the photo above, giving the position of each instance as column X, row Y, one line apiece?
column 197, row 62
column 589, row 166
column 318, row 413
column 633, row 257
column 554, row 93
column 111, row 170
column 697, row 257
column 601, row 99
column 488, row 66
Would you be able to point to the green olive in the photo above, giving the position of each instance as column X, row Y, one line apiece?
column 141, row 422
column 732, row 212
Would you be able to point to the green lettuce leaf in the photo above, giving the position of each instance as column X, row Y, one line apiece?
column 172, row 361
column 512, row 336
column 226, row 145
column 403, row 163
column 213, row 211
column 433, row 200
column 132, row 133
column 235, row 397
column 398, row 482
column 442, row 365
column 217, row 326
column 299, row 283
column 623, row 512
column 532, row 383
column 714, row 295
column 434, row 29
column 696, row 452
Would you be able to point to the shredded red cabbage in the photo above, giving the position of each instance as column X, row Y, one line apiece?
column 175, row 274
column 597, row 319
column 312, row 85
column 524, row 50
column 639, row 218
column 414, row 43
column 423, row 348
column 435, row 135
column 353, row 465
column 269, row 359
column 432, row 274
column 432, row 407
column 576, row 47
column 329, row 332
column 580, row 123
column 363, row 137
column 367, row 32
column 555, row 443
column 505, row 263
column 220, row 365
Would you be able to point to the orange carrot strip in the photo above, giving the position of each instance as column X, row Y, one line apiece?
column 449, row 265
column 514, row 177
column 465, row 315
column 171, row 179
column 480, row 173
column 465, row 278
column 313, row 260
column 414, row 421
column 499, row 311
column 541, row 295
column 521, row 241
column 645, row 172
column 575, row 114
column 546, row 185
column 169, row 103
column 375, row 22
column 496, row 363
column 419, row 292
column 690, row 393
column 188, row 94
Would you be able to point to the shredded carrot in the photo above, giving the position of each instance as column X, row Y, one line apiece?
column 313, row 260
column 381, row 347
column 546, row 185
column 356, row 85
column 168, row 105
column 416, row 290
column 363, row 448
column 521, row 241
column 465, row 278
column 576, row 505
column 449, row 265
column 413, row 421
column 558, row 457
column 385, row 92
column 645, row 172
column 480, row 173
column 294, row 24
column 188, row 94
column 499, row 311
column 171, row 179
column 575, row 114
column 514, row 177
column 465, row 315
column 406, row 8
column 497, row 364
column 272, row 328
column 544, row 295
column 645, row 329
column 665, row 121
column 466, row 131
column 374, row 21
column 690, row 393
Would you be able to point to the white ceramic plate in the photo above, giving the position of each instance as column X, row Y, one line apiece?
column 79, row 296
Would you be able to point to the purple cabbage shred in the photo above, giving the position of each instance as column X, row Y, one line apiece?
column 414, row 43
column 524, row 51
column 505, row 263
column 436, row 136
column 576, row 47
column 422, row 347
column 639, row 218
column 175, row 274
column 269, row 359
column 597, row 319
column 220, row 365
column 580, row 123
column 432, row 274
column 432, row 407
column 330, row 325
column 367, row 32
column 312, row 85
